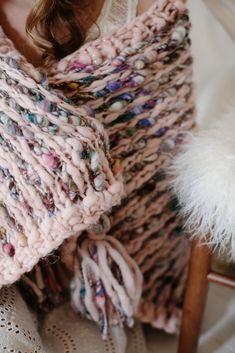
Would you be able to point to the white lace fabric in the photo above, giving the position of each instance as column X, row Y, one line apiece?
column 114, row 14
column 61, row 331
column 18, row 327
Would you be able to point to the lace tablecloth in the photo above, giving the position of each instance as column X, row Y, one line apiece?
column 60, row 331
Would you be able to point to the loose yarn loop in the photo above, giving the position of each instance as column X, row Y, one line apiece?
column 108, row 280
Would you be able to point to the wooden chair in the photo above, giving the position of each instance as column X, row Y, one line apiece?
column 200, row 273
column 199, row 276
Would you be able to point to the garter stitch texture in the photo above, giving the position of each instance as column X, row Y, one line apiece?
column 57, row 176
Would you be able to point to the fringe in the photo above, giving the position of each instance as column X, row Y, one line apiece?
column 107, row 285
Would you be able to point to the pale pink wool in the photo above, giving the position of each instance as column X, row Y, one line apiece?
column 153, row 250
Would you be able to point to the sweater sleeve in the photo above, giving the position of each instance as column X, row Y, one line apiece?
column 56, row 176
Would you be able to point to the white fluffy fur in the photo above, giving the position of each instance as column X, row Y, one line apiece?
column 204, row 181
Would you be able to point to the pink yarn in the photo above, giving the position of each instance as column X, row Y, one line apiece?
column 86, row 152
column 50, row 161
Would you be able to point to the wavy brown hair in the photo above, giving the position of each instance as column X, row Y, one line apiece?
column 58, row 27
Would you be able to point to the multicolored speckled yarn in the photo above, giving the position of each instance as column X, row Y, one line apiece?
column 137, row 84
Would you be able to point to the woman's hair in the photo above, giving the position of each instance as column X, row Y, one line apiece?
column 58, row 26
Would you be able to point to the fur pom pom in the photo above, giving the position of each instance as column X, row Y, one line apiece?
column 204, row 182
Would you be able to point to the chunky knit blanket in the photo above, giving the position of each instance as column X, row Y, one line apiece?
column 84, row 149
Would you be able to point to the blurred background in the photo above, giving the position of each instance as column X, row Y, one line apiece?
column 213, row 49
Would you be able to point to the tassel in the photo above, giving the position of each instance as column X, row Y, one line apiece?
column 108, row 283
column 77, row 290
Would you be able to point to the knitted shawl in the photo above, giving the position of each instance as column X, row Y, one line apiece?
column 83, row 151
